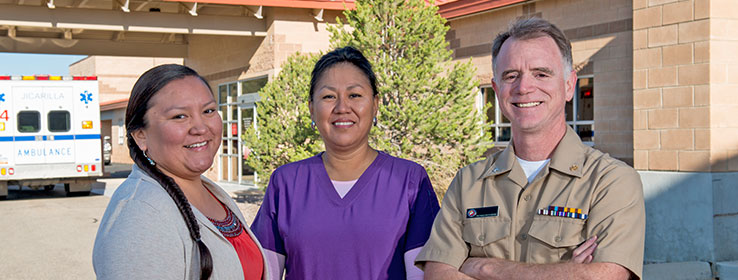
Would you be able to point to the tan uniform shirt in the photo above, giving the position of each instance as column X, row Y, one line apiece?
column 607, row 190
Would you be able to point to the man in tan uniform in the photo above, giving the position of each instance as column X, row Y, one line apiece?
column 548, row 206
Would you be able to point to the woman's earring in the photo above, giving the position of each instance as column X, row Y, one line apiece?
column 375, row 121
column 151, row 161
column 312, row 124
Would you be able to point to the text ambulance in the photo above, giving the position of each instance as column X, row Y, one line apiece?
column 49, row 133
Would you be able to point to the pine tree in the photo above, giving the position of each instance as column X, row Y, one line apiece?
column 427, row 110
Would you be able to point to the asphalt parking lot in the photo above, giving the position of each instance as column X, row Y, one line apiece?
column 47, row 235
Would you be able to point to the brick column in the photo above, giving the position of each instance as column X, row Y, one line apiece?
column 685, row 99
column 723, row 49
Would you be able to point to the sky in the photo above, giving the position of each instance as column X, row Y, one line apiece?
column 20, row 64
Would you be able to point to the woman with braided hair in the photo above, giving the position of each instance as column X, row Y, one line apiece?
column 167, row 221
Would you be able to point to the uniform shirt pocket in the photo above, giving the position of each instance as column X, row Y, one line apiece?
column 554, row 238
column 486, row 236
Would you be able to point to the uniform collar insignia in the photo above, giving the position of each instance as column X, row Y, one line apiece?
column 568, row 157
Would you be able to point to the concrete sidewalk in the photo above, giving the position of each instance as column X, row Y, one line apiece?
column 107, row 187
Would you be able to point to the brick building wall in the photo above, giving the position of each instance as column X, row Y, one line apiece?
column 685, row 134
column 601, row 37
column 684, row 93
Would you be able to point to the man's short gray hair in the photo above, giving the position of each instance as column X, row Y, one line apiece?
column 531, row 28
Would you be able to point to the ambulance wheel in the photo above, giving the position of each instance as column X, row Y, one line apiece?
column 3, row 197
column 49, row 187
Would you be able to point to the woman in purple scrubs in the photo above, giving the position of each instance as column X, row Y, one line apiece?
column 351, row 212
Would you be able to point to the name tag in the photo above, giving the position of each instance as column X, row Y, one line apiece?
column 481, row 212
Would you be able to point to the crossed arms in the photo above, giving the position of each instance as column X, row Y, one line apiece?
column 579, row 267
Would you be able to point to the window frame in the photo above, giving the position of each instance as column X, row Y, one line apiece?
column 575, row 122
column 495, row 125
column 233, row 90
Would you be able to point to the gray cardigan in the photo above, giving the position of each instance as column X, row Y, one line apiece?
column 143, row 236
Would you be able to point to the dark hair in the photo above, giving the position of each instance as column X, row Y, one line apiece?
column 145, row 88
column 342, row 55
column 533, row 28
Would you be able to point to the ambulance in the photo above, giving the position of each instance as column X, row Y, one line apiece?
column 50, row 133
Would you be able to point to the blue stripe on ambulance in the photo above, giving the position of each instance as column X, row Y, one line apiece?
column 86, row 136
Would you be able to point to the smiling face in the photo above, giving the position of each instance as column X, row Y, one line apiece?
column 531, row 85
column 343, row 107
column 183, row 128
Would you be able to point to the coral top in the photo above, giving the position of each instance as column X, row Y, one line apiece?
column 249, row 254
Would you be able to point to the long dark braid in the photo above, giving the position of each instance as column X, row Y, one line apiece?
column 138, row 104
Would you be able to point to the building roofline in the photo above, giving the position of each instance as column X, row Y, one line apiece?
column 453, row 9
column 306, row 4
column 113, row 104
column 446, row 8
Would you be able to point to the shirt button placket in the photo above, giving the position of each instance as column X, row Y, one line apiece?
column 521, row 216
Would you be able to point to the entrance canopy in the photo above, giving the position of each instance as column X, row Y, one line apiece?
column 119, row 27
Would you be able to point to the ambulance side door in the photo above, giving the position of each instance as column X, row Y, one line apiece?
column 28, row 104
column 58, row 117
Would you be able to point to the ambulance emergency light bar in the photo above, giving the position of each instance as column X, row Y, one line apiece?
column 49, row 78
column 85, row 124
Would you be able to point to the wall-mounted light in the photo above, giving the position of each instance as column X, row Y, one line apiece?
column 193, row 11
column 125, row 8
column 319, row 15
column 258, row 13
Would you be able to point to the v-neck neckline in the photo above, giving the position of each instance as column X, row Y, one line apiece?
column 330, row 191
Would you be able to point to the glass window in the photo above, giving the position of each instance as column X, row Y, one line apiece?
column 59, row 121
column 583, row 120
column 585, row 90
column 253, row 86
column 29, row 121
column 233, row 167
column 585, row 132
column 499, row 124
column 222, row 94
column 232, row 92
column 247, row 118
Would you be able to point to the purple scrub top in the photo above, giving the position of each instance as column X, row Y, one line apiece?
column 389, row 211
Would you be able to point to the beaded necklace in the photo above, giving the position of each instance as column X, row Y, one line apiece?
column 230, row 226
